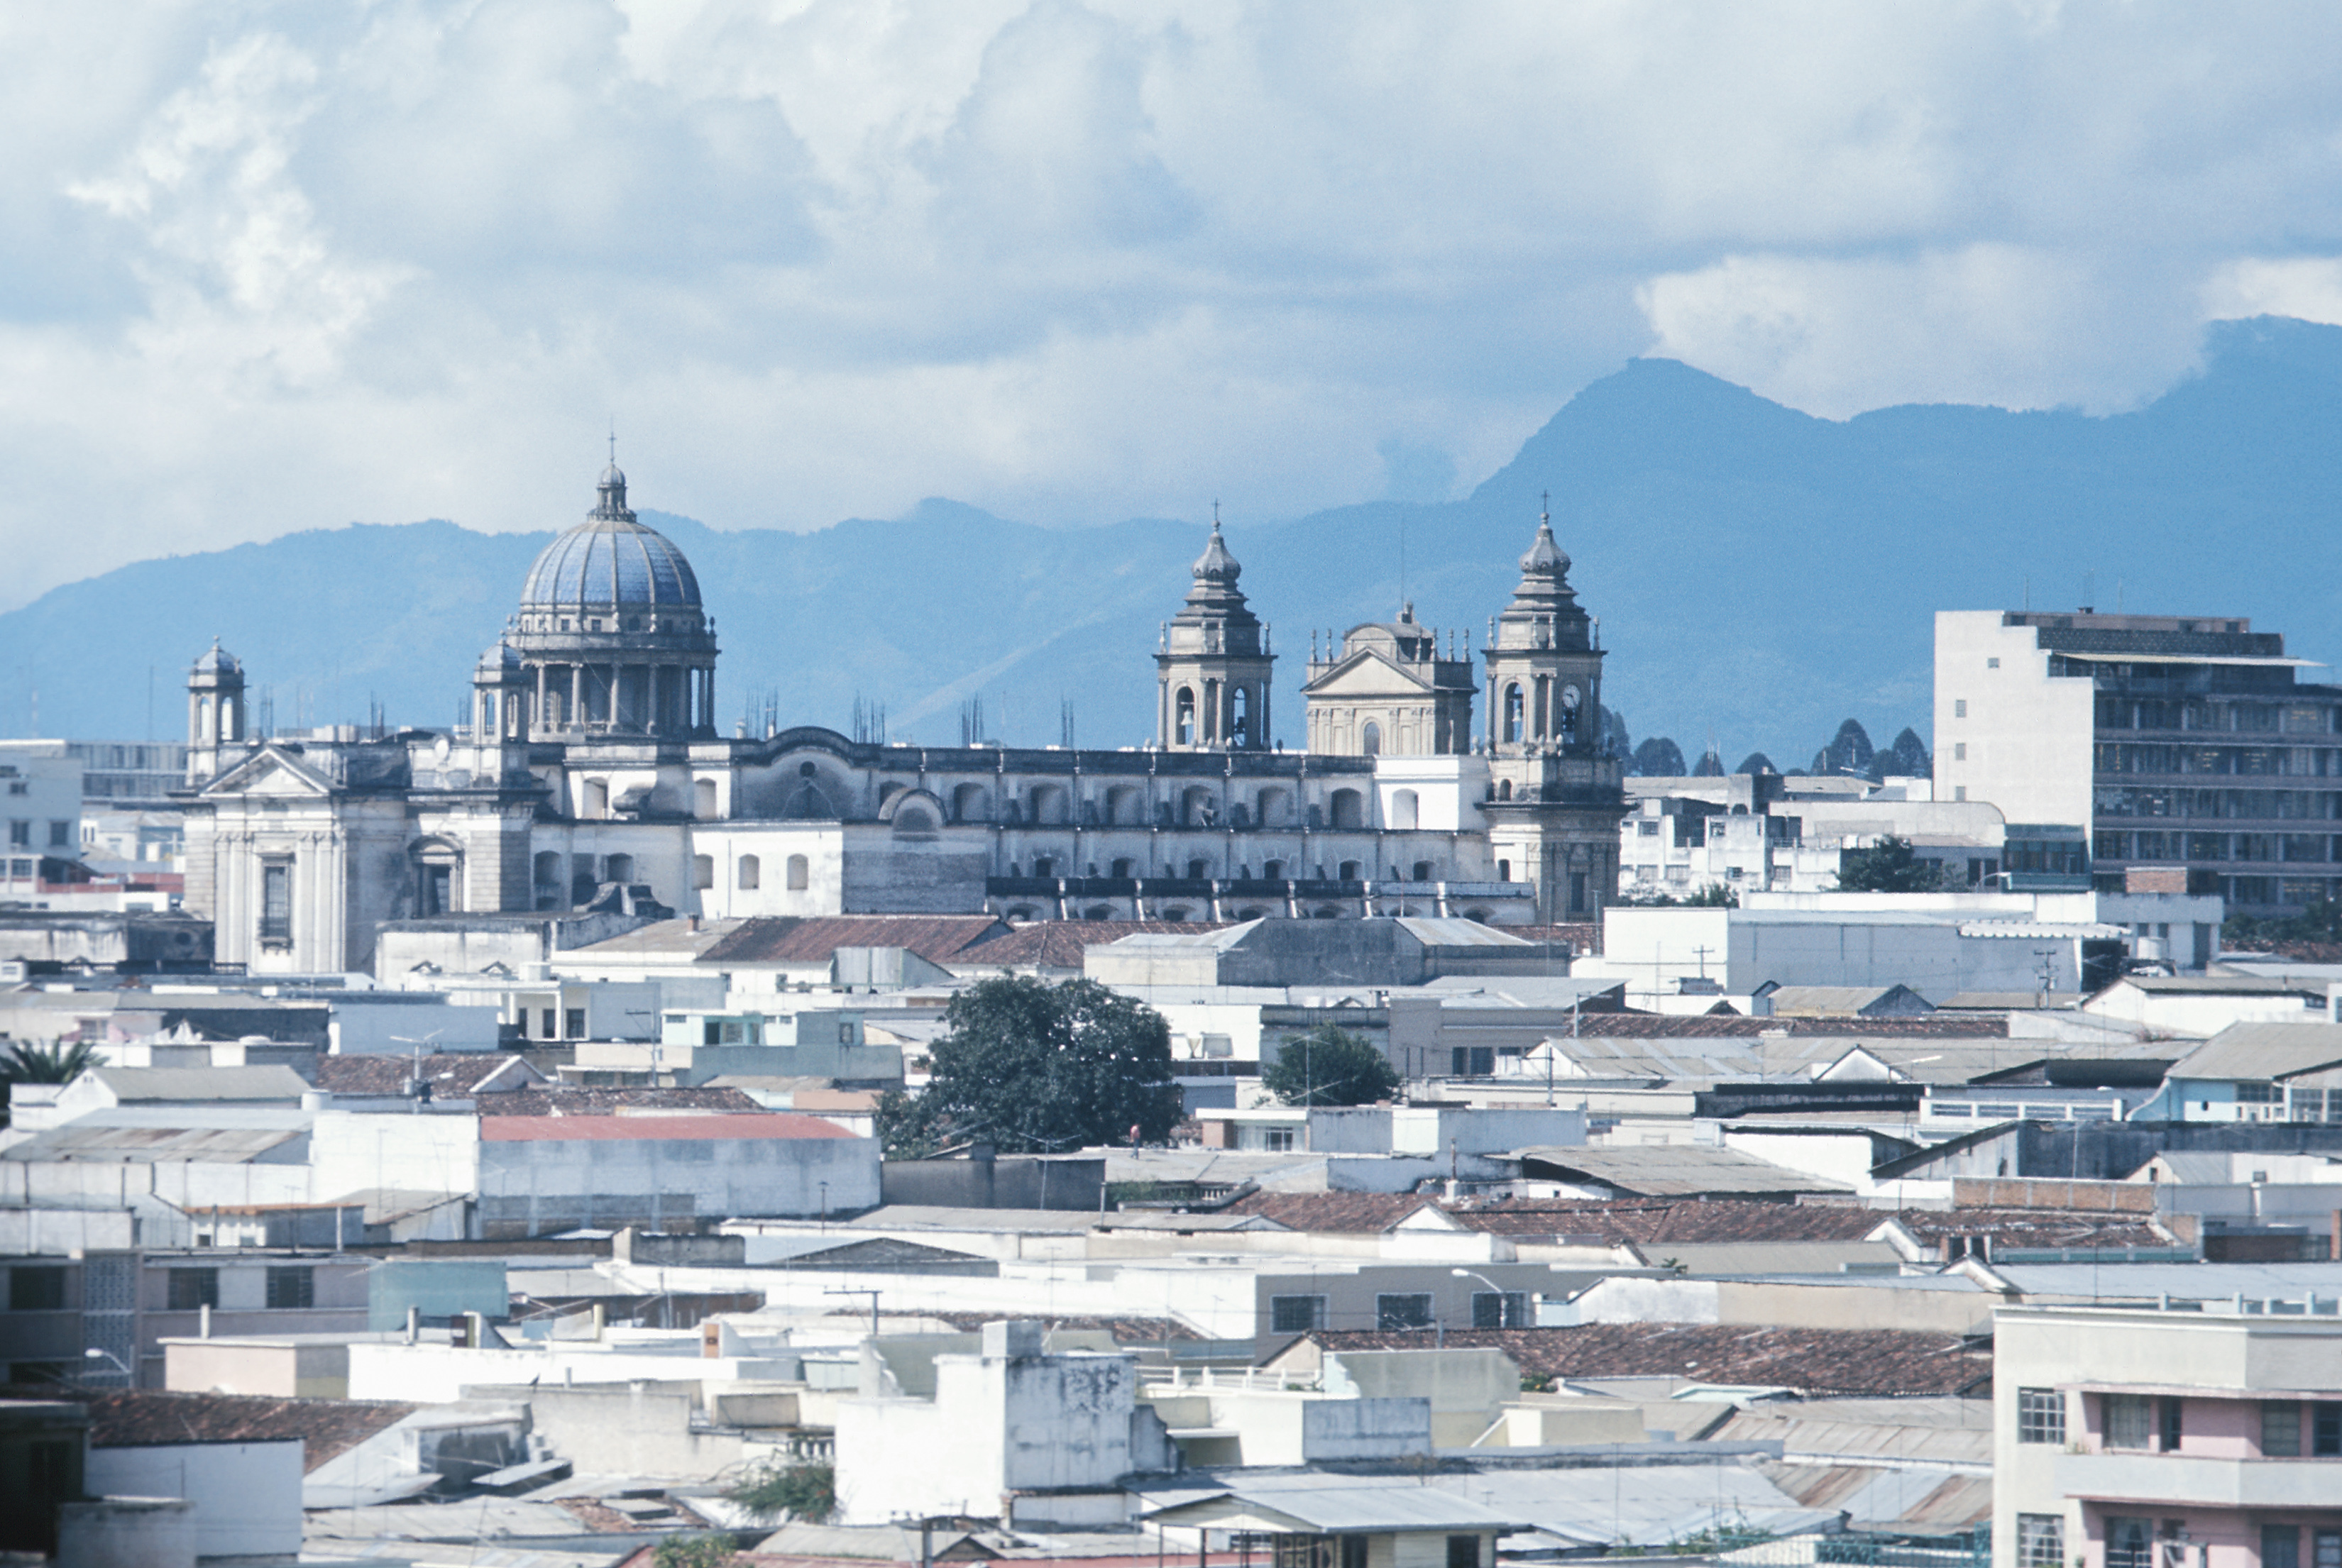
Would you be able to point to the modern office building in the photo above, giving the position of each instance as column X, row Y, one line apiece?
column 2187, row 749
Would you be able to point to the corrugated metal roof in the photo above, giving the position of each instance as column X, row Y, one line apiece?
column 1875, row 1497
column 661, row 939
column 1664, row 1169
column 1348, row 1503
column 2260, row 1052
column 654, row 1129
column 938, row 938
column 98, row 1142
column 2041, row 930
column 180, row 1083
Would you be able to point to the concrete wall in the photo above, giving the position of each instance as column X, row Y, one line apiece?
column 126, row 1532
column 539, row 1185
column 1462, row 1391
column 438, row 1373
column 246, row 1495
column 2027, row 738
column 276, row 1369
column 637, row 1428
column 416, row 1152
column 1010, row 1181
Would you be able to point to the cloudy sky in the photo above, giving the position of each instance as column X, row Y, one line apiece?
column 274, row 266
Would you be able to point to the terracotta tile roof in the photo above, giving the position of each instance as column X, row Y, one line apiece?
column 2034, row 1227
column 146, row 1417
column 1584, row 937
column 578, row 1100
column 1371, row 1213
column 937, row 938
column 1135, row 1330
column 1058, row 943
column 1697, row 1220
column 651, row 1129
column 451, row 1074
column 1813, row 1361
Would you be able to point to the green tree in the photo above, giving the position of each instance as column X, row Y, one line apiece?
column 1031, row 1067
column 695, row 1551
column 59, row 1064
column 1330, row 1067
column 807, row 1491
column 1890, row 865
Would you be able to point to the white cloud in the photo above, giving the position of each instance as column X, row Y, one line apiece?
column 267, row 266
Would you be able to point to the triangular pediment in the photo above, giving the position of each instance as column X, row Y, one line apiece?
column 1368, row 674
column 270, row 773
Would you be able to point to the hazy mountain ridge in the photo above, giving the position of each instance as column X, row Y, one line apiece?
column 1758, row 573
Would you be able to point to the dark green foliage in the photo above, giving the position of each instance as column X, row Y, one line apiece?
column 1711, row 766
column 1330, row 1067
column 1035, row 1068
column 1659, row 758
column 1715, row 895
column 1887, row 866
column 1756, row 763
column 695, row 1551
column 2320, row 922
column 42, row 1064
column 803, row 1491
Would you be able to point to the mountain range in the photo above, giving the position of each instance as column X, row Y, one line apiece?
column 1761, row 574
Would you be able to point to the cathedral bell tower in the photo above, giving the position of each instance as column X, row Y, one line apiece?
column 1212, row 667
column 215, row 711
column 1556, row 798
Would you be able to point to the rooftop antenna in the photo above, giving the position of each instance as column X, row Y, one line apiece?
column 614, row 441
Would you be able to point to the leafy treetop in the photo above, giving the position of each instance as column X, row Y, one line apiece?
column 1330, row 1065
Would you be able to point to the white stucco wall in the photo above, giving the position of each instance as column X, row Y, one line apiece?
column 2027, row 736
column 247, row 1496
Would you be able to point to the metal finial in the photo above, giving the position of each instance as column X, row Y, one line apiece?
column 614, row 441
column 1545, row 506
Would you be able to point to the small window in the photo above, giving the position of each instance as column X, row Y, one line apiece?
column 2280, row 1547
column 573, row 1020
column 2130, row 1420
column 40, row 1288
column 1276, row 1140
column 800, row 874
column 2280, row 1430
column 2325, row 1431
column 60, row 834
column 1992, row 664
column 276, row 901
column 1509, row 1309
column 1295, row 1314
column 2040, row 1415
column 1959, row 751
column 752, row 873
column 293, row 1286
column 1462, row 1552
column 1402, row 1312
column 2040, row 1541
column 547, row 1028
column 2168, row 1433
column 1959, row 707
column 191, row 1289
column 703, row 872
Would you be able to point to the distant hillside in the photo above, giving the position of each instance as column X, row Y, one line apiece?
column 1759, row 575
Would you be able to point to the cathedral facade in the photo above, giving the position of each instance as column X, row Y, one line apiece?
column 592, row 759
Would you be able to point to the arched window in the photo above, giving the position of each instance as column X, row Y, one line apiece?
column 1044, row 865
column 1048, row 803
column 1542, row 717
column 1183, row 721
column 1503, row 871
column 1350, row 808
column 1272, row 870
column 970, row 803
column 912, row 820
column 1405, row 808
column 703, row 799
column 1121, row 869
column 597, row 803
column 549, row 870
column 1240, row 716
column 1123, row 805
column 1274, row 804
column 1370, row 739
column 1513, row 712
column 800, row 874
column 752, row 873
column 1423, row 871
column 702, row 871
column 620, row 868
column 1197, row 871
column 1505, row 789
column 1569, row 701
column 1347, row 870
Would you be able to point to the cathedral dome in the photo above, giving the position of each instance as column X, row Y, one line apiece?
column 611, row 559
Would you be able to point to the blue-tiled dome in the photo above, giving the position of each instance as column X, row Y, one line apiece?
column 611, row 559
